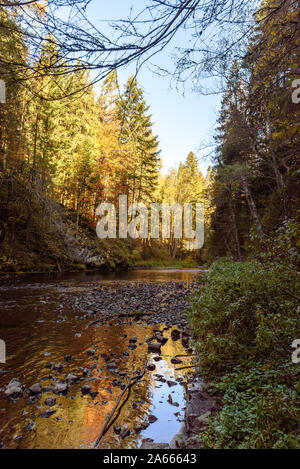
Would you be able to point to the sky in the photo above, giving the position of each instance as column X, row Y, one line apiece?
column 182, row 123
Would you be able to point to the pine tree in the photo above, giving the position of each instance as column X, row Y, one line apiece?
column 136, row 131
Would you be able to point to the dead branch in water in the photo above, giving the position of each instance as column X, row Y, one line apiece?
column 109, row 422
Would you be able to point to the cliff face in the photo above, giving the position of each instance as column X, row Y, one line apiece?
column 39, row 235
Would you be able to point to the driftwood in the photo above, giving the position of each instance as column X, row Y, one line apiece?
column 109, row 422
column 186, row 367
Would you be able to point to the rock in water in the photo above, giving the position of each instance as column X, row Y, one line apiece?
column 86, row 389
column 125, row 432
column 154, row 347
column 50, row 401
column 176, row 361
column 35, row 389
column 117, row 429
column 151, row 367
column 30, row 426
column 171, row 383
column 152, row 418
column 72, row 379
column 14, row 389
column 175, row 334
column 60, row 388
column 47, row 413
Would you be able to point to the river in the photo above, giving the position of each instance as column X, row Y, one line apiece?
column 94, row 326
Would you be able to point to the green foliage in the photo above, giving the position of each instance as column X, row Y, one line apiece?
column 245, row 312
column 284, row 245
column 260, row 409
column 245, row 318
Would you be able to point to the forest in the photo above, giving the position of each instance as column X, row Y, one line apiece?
column 70, row 140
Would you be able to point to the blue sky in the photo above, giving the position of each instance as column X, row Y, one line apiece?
column 182, row 123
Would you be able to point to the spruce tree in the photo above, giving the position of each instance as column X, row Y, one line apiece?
column 136, row 130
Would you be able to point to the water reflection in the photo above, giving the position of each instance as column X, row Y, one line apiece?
column 39, row 327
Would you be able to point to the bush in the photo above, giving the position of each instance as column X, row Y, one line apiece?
column 245, row 312
column 260, row 410
column 245, row 318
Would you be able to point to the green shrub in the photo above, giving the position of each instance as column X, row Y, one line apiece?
column 245, row 318
column 260, row 410
column 245, row 312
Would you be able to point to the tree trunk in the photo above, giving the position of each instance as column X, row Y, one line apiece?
column 252, row 208
column 234, row 222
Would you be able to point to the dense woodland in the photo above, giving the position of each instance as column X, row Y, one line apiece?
column 61, row 156
column 88, row 147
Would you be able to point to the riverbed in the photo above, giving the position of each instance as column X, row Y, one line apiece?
column 104, row 330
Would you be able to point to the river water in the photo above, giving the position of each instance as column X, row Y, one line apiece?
column 41, row 321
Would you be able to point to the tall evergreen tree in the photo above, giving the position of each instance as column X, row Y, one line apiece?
column 136, row 130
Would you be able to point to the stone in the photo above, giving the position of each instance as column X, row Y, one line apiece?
column 133, row 340
column 151, row 367
column 86, row 372
column 141, row 425
column 60, row 388
column 35, row 389
column 14, row 389
column 50, row 401
column 203, row 419
column 58, row 367
column 125, row 432
column 152, row 418
column 86, row 389
column 148, row 443
column 175, row 334
column 47, row 413
column 154, row 347
column 117, row 429
column 30, row 426
column 171, row 383
column 176, row 361
column 170, row 401
column 157, row 359
column 132, row 346
column 72, row 379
